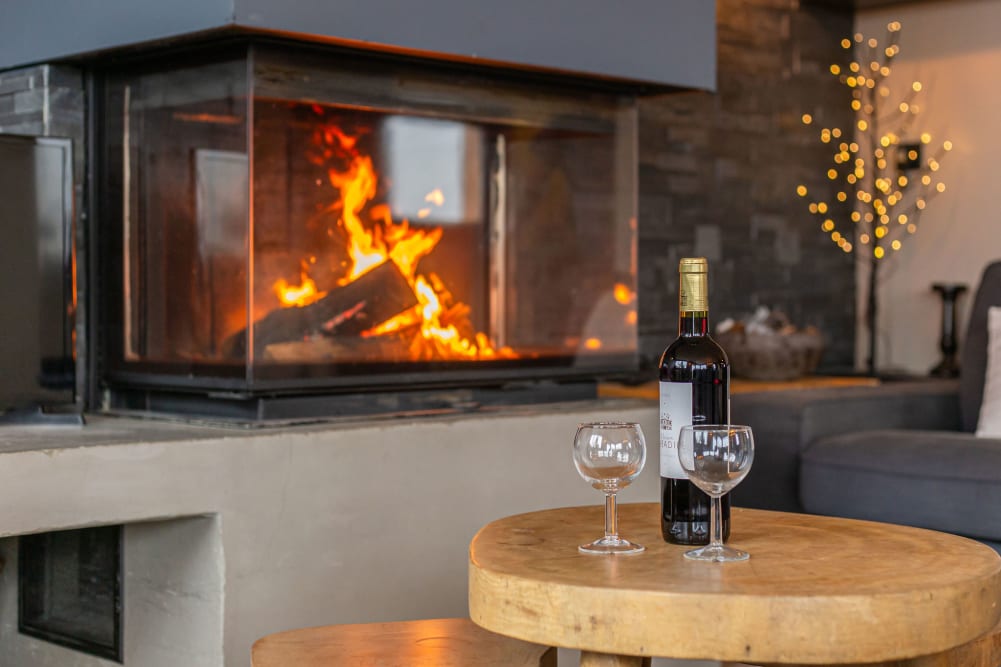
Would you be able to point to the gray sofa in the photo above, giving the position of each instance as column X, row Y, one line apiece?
column 902, row 452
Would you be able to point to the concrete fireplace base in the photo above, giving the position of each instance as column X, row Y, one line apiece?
column 336, row 523
column 173, row 596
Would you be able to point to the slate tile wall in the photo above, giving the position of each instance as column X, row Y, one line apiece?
column 44, row 100
column 48, row 101
column 718, row 174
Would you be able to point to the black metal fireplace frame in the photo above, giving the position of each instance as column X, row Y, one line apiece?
column 344, row 389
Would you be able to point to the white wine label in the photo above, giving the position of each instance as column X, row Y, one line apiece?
column 675, row 412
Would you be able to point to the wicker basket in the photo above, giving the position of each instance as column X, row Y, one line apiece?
column 772, row 356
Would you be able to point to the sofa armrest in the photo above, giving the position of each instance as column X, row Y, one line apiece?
column 786, row 422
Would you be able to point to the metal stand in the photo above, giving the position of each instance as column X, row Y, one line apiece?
column 948, row 342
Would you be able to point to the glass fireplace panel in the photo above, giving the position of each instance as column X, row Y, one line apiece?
column 402, row 216
column 296, row 219
column 177, row 152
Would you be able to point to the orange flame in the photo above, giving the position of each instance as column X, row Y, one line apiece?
column 298, row 295
column 437, row 321
column 357, row 186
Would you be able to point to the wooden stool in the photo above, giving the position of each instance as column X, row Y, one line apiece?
column 444, row 642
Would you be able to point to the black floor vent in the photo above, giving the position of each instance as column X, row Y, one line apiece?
column 69, row 586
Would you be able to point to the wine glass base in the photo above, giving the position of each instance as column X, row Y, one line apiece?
column 611, row 545
column 717, row 554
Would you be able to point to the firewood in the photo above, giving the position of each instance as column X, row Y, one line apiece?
column 345, row 311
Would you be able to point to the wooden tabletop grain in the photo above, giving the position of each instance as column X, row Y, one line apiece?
column 816, row 589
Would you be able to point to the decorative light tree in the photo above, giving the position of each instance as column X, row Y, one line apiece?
column 884, row 168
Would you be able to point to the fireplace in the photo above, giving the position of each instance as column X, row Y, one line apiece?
column 285, row 229
column 290, row 211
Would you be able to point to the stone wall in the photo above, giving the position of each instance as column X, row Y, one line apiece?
column 718, row 174
column 49, row 101
column 44, row 101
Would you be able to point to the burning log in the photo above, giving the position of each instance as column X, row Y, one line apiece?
column 323, row 349
column 370, row 299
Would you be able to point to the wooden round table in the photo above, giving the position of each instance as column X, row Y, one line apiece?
column 816, row 589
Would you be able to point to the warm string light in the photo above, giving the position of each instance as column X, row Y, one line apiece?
column 892, row 179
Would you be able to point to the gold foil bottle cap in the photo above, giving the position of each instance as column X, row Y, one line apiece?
column 693, row 293
column 693, row 265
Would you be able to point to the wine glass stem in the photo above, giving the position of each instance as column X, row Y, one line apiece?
column 611, row 518
column 716, row 522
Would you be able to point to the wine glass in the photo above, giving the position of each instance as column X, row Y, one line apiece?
column 716, row 458
column 609, row 455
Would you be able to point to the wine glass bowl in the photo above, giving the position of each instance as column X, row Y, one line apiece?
column 606, row 465
column 716, row 458
column 609, row 456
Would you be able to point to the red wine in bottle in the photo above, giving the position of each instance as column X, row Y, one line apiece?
column 694, row 389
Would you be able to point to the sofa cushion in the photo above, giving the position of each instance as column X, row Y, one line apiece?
column 989, row 424
column 787, row 422
column 932, row 479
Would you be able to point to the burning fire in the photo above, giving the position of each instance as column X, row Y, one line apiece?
column 298, row 295
column 441, row 328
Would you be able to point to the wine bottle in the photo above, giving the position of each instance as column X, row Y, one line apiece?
column 694, row 389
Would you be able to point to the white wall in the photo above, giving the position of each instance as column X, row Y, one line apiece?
column 954, row 49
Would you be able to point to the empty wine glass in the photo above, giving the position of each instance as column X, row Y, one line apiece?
column 716, row 458
column 609, row 455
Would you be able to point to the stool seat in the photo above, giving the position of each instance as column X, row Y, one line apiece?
column 444, row 642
